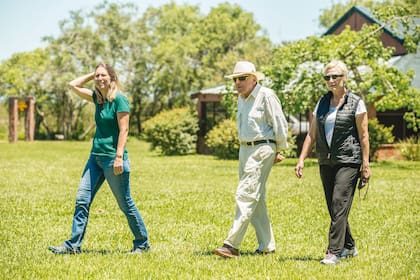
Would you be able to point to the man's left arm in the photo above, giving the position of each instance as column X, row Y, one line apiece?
column 277, row 121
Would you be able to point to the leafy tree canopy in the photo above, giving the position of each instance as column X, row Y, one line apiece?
column 296, row 68
column 330, row 15
column 160, row 56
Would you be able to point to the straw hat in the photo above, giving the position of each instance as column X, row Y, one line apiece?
column 245, row 68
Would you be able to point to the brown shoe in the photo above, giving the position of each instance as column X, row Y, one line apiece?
column 260, row 252
column 227, row 251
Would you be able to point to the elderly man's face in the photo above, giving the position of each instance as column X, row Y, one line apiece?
column 245, row 84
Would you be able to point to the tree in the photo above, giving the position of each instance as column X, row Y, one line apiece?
column 296, row 68
column 172, row 54
column 113, row 33
column 24, row 75
column 160, row 57
column 76, row 51
column 70, row 54
column 180, row 50
column 138, row 72
column 226, row 35
column 330, row 15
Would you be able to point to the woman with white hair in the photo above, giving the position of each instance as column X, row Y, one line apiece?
column 340, row 130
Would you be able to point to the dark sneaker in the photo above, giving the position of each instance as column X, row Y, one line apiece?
column 261, row 252
column 349, row 253
column 62, row 250
column 227, row 251
column 140, row 250
column 330, row 259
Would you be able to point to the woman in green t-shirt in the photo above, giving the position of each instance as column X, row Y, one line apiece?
column 108, row 159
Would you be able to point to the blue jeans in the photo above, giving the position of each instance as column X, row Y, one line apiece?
column 99, row 168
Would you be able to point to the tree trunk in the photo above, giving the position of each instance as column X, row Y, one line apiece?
column 41, row 120
column 86, row 132
column 137, row 113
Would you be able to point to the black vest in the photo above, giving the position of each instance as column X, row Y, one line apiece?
column 345, row 145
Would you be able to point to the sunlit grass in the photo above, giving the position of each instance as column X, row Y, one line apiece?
column 188, row 205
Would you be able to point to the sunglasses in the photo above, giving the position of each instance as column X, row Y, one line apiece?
column 328, row 77
column 241, row 78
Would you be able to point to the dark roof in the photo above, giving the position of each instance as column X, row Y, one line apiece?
column 368, row 15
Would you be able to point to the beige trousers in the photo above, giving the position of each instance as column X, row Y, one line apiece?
column 255, row 164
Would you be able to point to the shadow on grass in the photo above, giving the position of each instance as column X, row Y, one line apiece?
column 298, row 258
column 203, row 253
column 211, row 253
column 251, row 254
column 105, row 252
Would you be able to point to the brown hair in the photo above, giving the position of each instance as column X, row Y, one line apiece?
column 114, row 85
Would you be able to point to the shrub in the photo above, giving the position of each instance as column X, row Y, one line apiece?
column 378, row 135
column 291, row 151
column 410, row 148
column 173, row 132
column 223, row 141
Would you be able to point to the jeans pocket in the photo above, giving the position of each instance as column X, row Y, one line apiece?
column 126, row 165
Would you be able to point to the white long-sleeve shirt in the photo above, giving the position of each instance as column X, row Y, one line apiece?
column 260, row 117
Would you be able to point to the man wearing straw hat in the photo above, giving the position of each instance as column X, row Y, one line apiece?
column 262, row 132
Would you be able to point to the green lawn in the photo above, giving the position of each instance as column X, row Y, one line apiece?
column 188, row 205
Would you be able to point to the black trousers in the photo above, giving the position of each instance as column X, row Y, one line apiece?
column 339, row 183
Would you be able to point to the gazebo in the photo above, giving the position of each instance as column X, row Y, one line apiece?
column 210, row 112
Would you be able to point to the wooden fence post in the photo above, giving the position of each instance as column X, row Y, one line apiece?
column 13, row 119
column 30, row 118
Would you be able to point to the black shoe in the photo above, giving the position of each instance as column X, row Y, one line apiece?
column 140, row 250
column 62, row 250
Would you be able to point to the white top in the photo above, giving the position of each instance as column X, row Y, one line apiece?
column 260, row 117
column 332, row 115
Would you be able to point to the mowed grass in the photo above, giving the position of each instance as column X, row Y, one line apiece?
column 187, row 203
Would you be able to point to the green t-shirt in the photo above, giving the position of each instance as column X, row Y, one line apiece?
column 107, row 131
